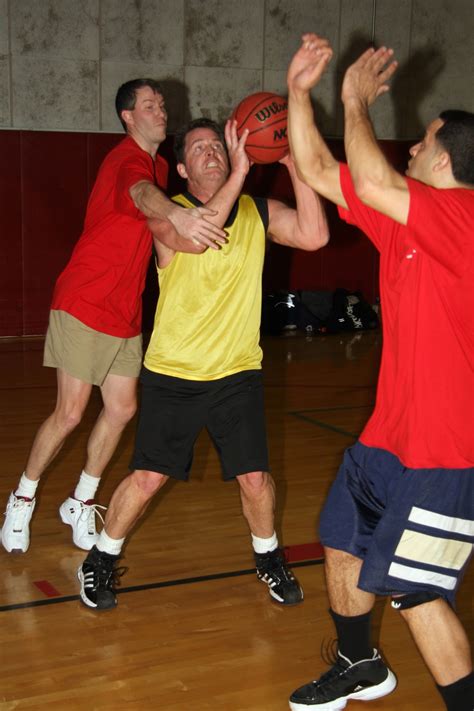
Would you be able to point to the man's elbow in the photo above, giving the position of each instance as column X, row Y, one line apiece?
column 323, row 239
column 367, row 190
column 314, row 241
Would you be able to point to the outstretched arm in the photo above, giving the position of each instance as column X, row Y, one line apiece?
column 376, row 182
column 304, row 228
column 190, row 223
column 314, row 162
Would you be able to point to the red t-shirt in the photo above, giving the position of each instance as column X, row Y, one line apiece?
column 424, row 412
column 103, row 281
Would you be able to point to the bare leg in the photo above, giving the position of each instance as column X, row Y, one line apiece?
column 342, row 577
column 72, row 398
column 441, row 639
column 257, row 493
column 119, row 394
column 130, row 501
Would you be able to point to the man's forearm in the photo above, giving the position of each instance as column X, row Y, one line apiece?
column 315, row 164
column 376, row 182
column 151, row 201
column 311, row 229
column 366, row 161
column 224, row 199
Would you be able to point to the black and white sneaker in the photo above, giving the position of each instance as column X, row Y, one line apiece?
column 364, row 680
column 282, row 584
column 99, row 577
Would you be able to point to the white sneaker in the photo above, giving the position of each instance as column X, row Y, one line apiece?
column 81, row 517
column 16, row 529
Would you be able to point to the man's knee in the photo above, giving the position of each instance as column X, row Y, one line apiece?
column 69, row 415
column 340, row 563
column 254, row 484
column 147, row 482
column 73, row 396
column 413, row 599
column 120, row 412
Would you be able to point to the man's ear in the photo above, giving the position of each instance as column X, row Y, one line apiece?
column 181, row 170
column 127, row 117
column 442, row 161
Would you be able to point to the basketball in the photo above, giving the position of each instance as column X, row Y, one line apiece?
column 265, row 116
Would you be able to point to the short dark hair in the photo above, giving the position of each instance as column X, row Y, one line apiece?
column 456, row 136
column 180, row 136
column 127, row 95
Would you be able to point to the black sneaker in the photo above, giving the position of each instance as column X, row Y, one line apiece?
column 282, row 584
column 364, row 680
column 99, row 577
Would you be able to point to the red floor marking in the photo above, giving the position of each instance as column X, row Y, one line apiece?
column 46, row 588
column 304, row 551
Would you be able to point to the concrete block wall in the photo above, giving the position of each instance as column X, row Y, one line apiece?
column 62, row 60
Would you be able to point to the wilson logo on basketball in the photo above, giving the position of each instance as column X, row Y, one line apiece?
column 271, row 109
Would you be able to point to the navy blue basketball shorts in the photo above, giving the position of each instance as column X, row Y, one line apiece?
column 173, row 411
column 412, row 528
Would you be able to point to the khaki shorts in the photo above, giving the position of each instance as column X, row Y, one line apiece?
column 87, row 354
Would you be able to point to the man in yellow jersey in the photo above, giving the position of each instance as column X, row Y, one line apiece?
column 203, row 365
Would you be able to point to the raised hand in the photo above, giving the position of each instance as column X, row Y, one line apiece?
column 238, row 158
column 191, row 223
column 309, row 63
column 367, row 78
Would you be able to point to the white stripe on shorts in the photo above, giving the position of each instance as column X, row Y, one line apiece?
column 444, row 523
column 416, row 575
column 431, row 550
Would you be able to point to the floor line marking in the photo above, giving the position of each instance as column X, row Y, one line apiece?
column 331, row 409
column 325, row 426
column 152, row 586
column 46, row 588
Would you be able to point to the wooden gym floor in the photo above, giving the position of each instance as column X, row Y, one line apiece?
column 194, row 630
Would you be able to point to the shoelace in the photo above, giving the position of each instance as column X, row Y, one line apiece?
column 274, row 568
column 88, row 512
column 105, row 575
column 20, row 509
column 329, row 655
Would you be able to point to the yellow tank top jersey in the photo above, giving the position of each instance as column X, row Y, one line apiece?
column 207, row 322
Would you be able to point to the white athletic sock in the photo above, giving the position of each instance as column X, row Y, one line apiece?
column 26, row 487
column 86, row 487
column 106, row 544
column 265, row 545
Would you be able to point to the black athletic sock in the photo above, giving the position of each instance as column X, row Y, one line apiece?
column 353, row 636
column 459, row 696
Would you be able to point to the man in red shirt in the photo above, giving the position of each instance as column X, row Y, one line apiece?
column 398, row 520
column 94, row 333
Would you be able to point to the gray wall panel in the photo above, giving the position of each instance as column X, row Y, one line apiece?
column 214, row 92
column 224, row 34
column 287, row 20
column 55, row 94
column 147, row 31
column 5, row 118
column 4, row 39
column 55, row 28
column 66, row 58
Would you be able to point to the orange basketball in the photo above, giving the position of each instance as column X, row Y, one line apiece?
column 265, row 116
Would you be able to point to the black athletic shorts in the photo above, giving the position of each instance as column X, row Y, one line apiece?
column 173, row 411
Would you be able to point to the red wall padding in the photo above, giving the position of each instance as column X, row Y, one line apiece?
column 45, row 180
column 11, row 247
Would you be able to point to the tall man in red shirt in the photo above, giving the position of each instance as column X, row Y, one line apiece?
column 94, row 333
column 398, row 520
